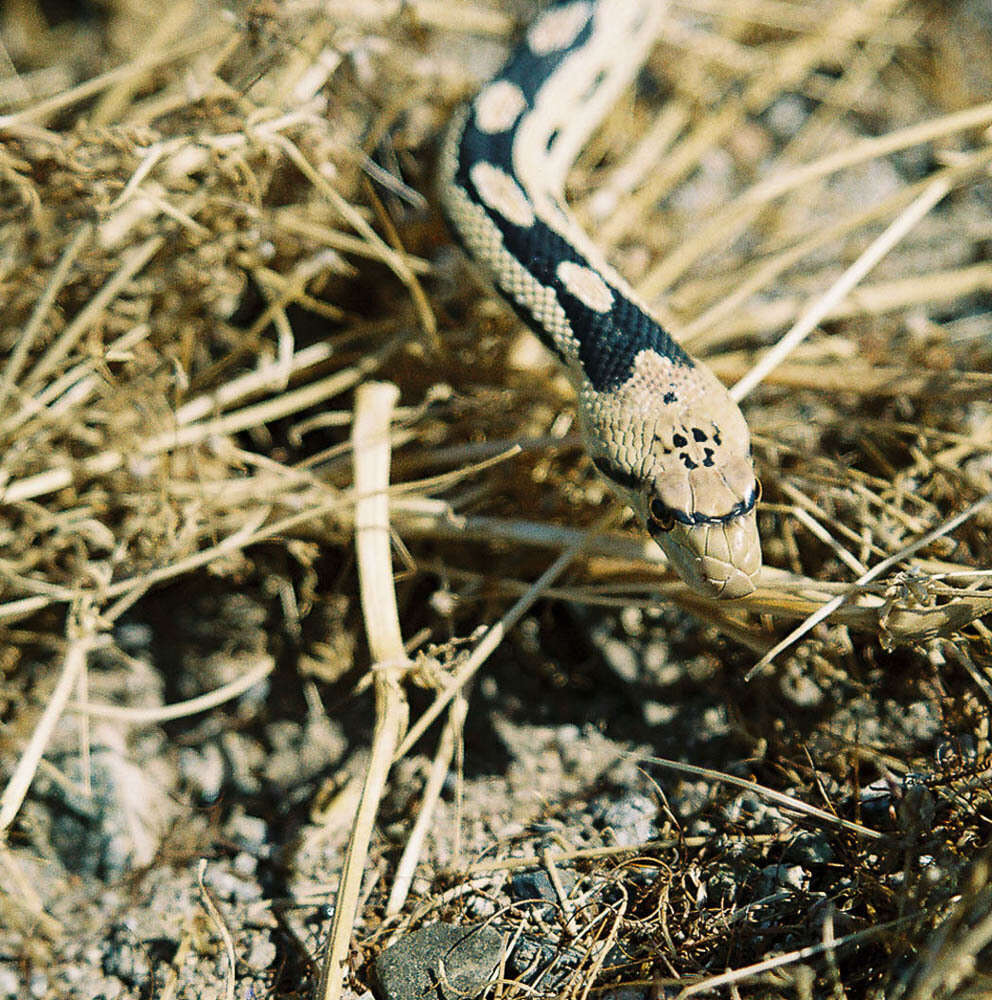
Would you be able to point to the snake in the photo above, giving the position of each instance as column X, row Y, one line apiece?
column 658, row 425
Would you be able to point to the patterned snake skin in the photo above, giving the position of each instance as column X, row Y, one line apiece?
column 659, row 426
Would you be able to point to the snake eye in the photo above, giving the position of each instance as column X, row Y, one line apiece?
column 661, row 517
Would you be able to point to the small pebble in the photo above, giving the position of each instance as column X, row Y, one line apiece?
column 537, row 959
column 810, row 849
column 538, row 885
column 411, row 968
column 786, row 115
column 203, row 771
column 10, row 983
column 785, row 877
column 229, row 887
column 249, row 832
column 261, row 954
column 922, row 720
column 796, row 685
column 630, row 819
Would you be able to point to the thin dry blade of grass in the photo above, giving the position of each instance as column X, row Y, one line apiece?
column 373, row 414
column 192, row 44
column 416, row 843
column 815, row 312
column 665, row 273
column 221, row 928
column 81, row 640
column 877, row 570
column 789, row 801
column 167, row 713
column 738, row 976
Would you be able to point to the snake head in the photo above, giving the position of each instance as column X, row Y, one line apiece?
column 675, row 447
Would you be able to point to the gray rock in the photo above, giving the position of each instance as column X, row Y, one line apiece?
column 775, row 877
column 810, row 849
column 630, row 818
column 543, row 963
column 538, row 885
column 118, row 826
column 411, row 969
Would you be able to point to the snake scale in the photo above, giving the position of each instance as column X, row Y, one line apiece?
column 658, row 425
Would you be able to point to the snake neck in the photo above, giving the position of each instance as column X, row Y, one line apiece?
column 660, row 427
column 503, row 167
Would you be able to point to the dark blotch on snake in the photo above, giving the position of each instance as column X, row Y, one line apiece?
column 617, row 475
column 608, row 342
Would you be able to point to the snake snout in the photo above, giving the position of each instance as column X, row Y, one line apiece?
column 717, row 560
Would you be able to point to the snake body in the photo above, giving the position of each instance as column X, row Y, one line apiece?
column 658, row 425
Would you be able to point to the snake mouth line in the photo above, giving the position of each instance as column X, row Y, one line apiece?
column 745, row 506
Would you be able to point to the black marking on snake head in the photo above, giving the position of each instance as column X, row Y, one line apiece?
column 669, row 397
column 708, row 458
column 617, row 475
column 698, row 435
column 687, row 462
column 716, row 436
column 679, row 441
column 552, row 137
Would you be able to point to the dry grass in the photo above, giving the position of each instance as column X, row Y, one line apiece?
column 218, row 228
